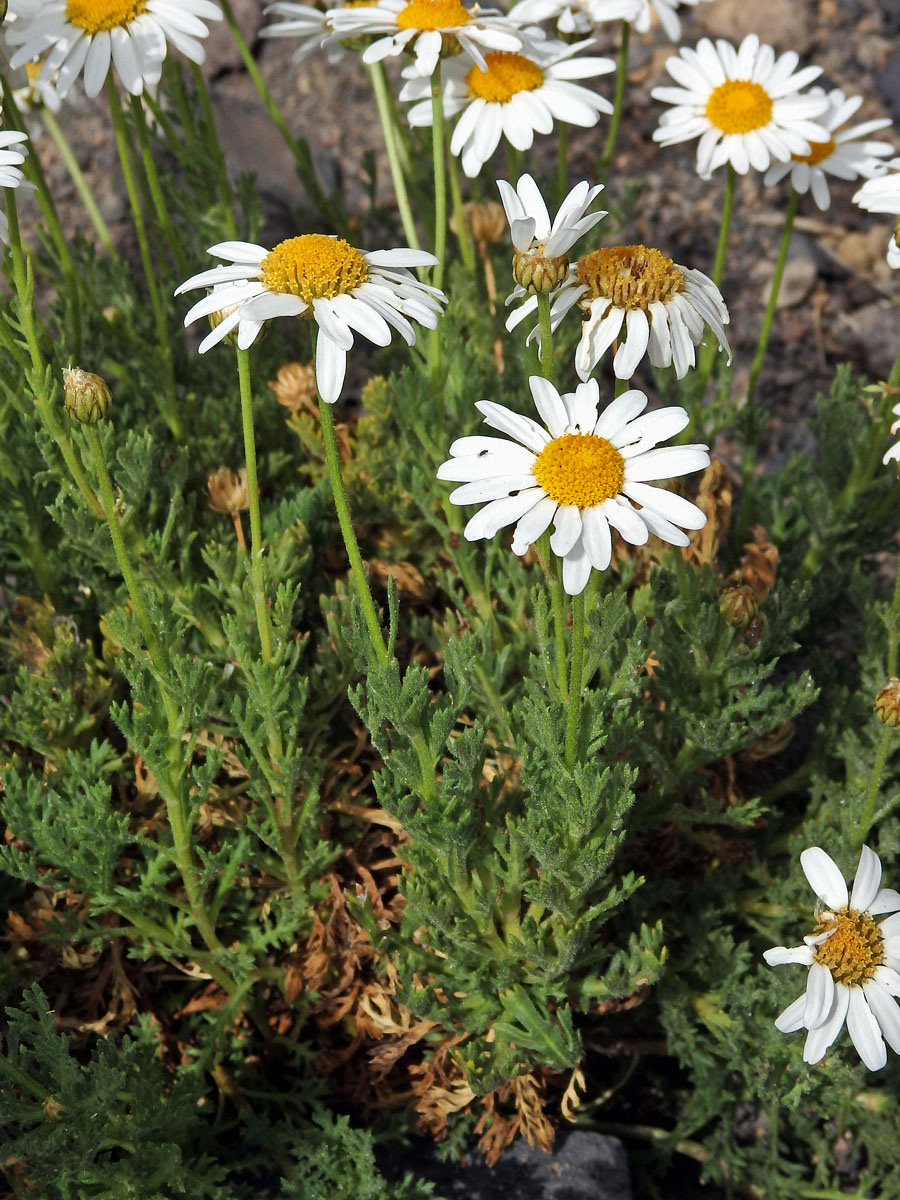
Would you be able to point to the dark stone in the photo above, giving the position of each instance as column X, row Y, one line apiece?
column 891, row 12
column 583, row 1166
column 888, row 83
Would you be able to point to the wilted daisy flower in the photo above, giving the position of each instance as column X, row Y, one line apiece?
column 575, row 16
column 517, row 96
column 10, row 175
column 741, row 103
column 311, row 26
column 854, row 962
column 323, row 279
column 894, row 452
column 662, row 307
column 843, row 155
column 425, row 27
column 89, row 34
column 882, row 195
column 584, row 474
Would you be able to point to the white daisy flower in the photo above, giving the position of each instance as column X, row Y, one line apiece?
column 894, row 453
column 425, row 26
column 529, row 220
column 310, row 25
column 515, row 96
column 666, row 10
column 854, row 962
column 575, row 16
column 882, row 195
column 11, row 158
column 741, row 104
column 844, row 155
column 662, row 307
column 90, row 34
column 582, row 471
column 323, row 279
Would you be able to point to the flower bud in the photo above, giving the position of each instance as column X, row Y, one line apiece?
column 887, row 703
column 87, row 398
column 534, row 271
column 738, row 606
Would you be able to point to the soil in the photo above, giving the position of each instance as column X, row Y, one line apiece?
column 839, row 299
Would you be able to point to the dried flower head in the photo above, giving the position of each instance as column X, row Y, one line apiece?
column 887, row 703
column 295, row 386
column 228, row 490
column 87, row 397
column 486, row 221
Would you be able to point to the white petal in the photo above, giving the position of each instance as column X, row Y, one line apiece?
column 779, row 955
column 633, row 349
column 494, row 516
column 596, row 538
column 576, row 570
column 824, row 877
column 864, row 1031
column 566, row 529
column 887, row 900
column 867, row 881
column 331, row 364
column 819, row 996
column 818, row 1040
column 549, row 405
column 791, row 1019
column 885, row 1011
column 622, row 410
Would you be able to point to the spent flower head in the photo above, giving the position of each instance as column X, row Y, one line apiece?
column 323, row 279
column 853, row 961
column 742, row 103
column 845, row 155
column 426, row 28
column 583, row 471
column 517, row 95
column 88, row 35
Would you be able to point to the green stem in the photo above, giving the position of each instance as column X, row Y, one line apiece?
column 894, row 377
column 214, row 146
column 751, row 419
column 562, row 164
column 618, row 102
column 462, row 231
column 24, row 285
column 551, row 573
column 391, row 145
column 154, row 646
column 156, row 192
column 256, row 541
column 887, row 733
column 299, row 147
column 576, row 682
column 82, row 186
column 708, row 350
column 440, row 205
column 546, row 351
column 357, row 570
column 159, row 314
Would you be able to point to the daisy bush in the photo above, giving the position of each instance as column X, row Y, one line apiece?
column 441, row 705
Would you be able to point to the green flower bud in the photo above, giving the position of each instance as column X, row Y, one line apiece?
column 87, row 398
column 738, row 606
column 887, row 703
column 533, row 270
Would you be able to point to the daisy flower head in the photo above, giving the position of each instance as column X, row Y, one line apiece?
column 88, row 35
column 666, row 11
column 882, row 195
column 540, row 262
column 11, row 158
column 893, row 455
column 741, row 103
column 580, row 470
column 844, row 155
column 853, row 960
column 662, row 307
column 323, row 279
column 426, row 27
column 515, row 96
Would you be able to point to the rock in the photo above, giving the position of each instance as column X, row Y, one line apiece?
column 864, row 251
column 891, row 11
column 870, row 335
column 784, row 24
column 221, row 53
column 584, row 1166
column 799, row 279
column 888, row 83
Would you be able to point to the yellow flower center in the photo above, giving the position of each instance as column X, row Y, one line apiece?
column 737, row 106
column 818, row 152
column 580, row 469
column 855, row 948
column 97, row 16
column 314, row 266
column 433, row 14
column 506, row 75
column 629, row 276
